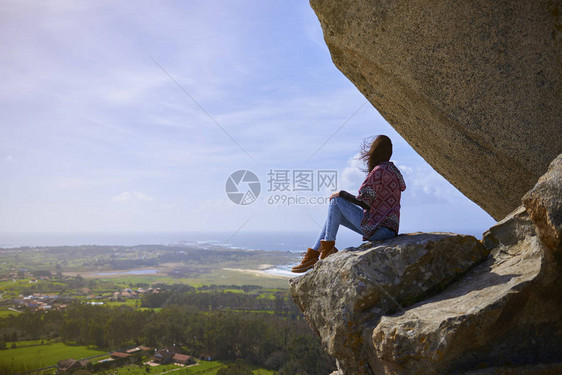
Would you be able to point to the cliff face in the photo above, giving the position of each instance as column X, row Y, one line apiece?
column 443, row 303
column 474, row 86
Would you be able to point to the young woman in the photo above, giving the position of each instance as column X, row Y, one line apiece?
column 374, row 213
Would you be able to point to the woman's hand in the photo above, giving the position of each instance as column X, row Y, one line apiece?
column 336, row 194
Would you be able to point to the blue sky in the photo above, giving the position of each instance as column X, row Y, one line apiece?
column 96, row 137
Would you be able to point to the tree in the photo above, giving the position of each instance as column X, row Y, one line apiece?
column 40, row 273
column 236, row 368
column 58, row 270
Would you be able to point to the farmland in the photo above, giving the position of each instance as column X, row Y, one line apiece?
column 142, row 264
column 36, row 355
column 94, row 301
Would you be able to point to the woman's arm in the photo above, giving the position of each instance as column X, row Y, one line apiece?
column 368, row 189
column 350, row 197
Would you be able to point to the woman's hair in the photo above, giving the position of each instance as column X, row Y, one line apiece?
column 375, row 152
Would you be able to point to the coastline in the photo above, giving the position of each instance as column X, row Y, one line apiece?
column 271, row 273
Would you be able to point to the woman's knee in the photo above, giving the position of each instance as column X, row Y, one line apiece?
column 336, row 200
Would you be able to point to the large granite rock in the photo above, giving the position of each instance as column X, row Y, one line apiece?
column 544, row 204
column 474, row 86
column 352, row 290
column 416, row 305
column 505, row 312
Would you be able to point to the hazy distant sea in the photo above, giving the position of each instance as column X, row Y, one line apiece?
column 296, row 242
column 273, row 241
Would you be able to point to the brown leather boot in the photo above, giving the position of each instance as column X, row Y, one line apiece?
column 327, row 248
column 310, row 258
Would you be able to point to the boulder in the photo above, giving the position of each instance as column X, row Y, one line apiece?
column 544, row 204
column 428, row 304
column 350, row 291
column 474, row 86
column 505, row 313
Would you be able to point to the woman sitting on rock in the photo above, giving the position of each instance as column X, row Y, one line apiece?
column 374, row 213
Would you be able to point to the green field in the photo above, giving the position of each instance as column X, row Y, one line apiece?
column 203, row 367
column 39, row 356
column 6, row 313
column 216, row 276
column 45, row 355
column 130, row 302
column 21, row 344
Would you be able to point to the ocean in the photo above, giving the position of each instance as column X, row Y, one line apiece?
column 295, row 242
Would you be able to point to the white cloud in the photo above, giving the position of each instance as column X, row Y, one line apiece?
column 132, row 196
column 423, row 184
column 222, row 204
column 352, row 175
column 407, row 171
column 9, row 158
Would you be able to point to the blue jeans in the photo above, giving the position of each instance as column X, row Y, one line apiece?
column 343, row 212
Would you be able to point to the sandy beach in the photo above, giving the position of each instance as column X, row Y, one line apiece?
column 259, row 273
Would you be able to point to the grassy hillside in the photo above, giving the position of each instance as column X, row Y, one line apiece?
column 37, row 356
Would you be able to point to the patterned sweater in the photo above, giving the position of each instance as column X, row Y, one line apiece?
column 381, row 191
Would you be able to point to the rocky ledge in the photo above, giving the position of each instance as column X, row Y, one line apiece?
column 439, row 303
